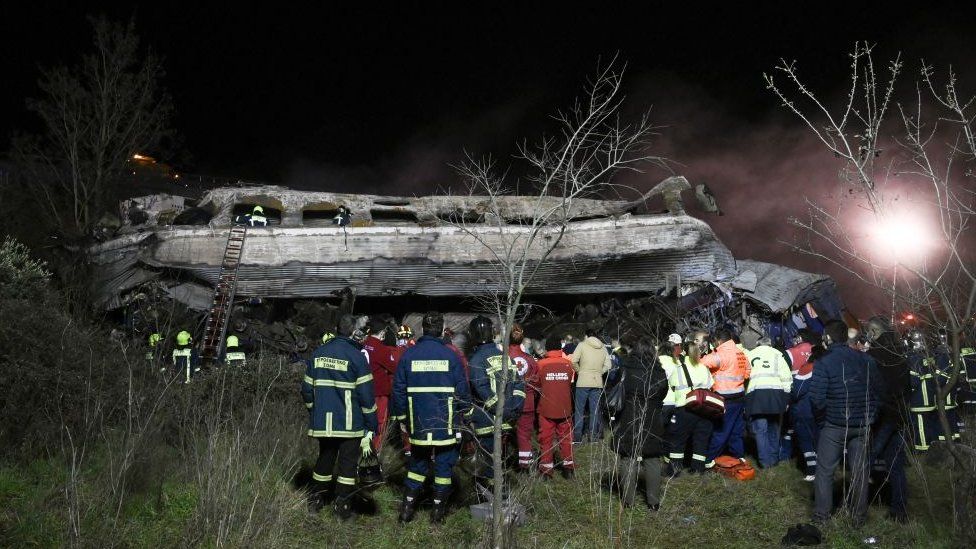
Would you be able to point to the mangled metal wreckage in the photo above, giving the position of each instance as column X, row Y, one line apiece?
column 416, row 246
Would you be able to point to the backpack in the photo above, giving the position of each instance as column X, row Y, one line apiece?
column 614, row 396
column 735, row 468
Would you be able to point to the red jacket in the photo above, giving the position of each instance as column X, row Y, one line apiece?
column 382, row 362
column 528, row 370
column 555, row 379
column 464, row 359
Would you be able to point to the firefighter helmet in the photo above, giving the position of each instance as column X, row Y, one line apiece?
column 327, row 337
column 481, row 330
column 405, row 332
column 257, row 210
column 232, row 341
column 183, row 338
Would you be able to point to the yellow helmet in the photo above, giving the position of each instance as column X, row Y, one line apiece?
column 258, row 209
column 183, row 338
column 232, row 341
column 154, row 339
column 327, row 337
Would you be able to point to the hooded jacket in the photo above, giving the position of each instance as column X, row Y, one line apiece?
column 590, row 360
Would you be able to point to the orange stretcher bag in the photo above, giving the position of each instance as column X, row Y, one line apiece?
column 734, row 467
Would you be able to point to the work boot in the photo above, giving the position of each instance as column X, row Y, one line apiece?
column 315, row 503
column 438, row 512
column 342, row 509
column 408, row 507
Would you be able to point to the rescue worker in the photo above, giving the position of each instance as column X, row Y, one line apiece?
column 967, row 377
column 487, row 363
column 803, row 425
column 233, row 352
column 382, row 363
column 342, row 218
column 887, row 436
column 404, row 340
column 639, row 435
column 592, row 361
column 767, row 398
column 528, row 371
column 922, row 415
column 338, row 391
column 152, row 355
column 556, row 376
column 431, row 396
column 404, row 337
column 690, row 375
column 256, row 218
column 186, row 361
column 669, row 357
column 730, row 370
column 943, row 373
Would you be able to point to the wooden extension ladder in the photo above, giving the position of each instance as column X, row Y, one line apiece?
column 223, row 300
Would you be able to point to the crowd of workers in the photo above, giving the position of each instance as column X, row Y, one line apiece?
column 829, row 397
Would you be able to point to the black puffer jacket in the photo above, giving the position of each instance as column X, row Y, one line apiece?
column 889, row 355
column 640, row 431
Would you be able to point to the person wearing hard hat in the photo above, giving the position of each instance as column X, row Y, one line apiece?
column 152, row 355
column 185, row 358
column 257, row 219
column 233, row 352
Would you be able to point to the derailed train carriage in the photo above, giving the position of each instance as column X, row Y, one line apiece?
column 171, row 248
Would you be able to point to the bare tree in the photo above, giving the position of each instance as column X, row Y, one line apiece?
column 593, row 145
column 96, row 115
column 928, row 153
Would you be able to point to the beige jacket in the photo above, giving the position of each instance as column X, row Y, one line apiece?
column 590, row 360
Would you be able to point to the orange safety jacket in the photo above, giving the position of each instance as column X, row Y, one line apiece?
column 729, row 367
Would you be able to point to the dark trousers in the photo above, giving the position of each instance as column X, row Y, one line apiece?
column 443, row 457
column 630, row 469
column 830, row 450
column 729, row 431
column 888, row 453
column 331, row 450
column 805, row 433
column 689, row 426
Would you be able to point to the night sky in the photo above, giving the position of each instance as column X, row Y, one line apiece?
column 384, row 99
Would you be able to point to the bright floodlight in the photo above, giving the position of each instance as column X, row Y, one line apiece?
column 904, row 237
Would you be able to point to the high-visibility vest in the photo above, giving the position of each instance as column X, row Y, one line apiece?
column 235, row 356
column 700, row 379
column 768, row 370
column 257, row 220
column 669, row 364
column 729, row 367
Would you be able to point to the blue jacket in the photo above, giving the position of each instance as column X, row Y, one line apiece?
column 338, row 391
column 486, row 368
column 943, row 373
column 847, row 386
column 430, row 393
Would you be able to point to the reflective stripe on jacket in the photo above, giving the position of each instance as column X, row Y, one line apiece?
column 770, row 381
column 486, row 368
column 669, row 364
column 701, row 378
column 430, row 393
column 729, row 368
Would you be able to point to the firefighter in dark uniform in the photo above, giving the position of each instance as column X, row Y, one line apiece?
column 338, row 392
column 943, row 373
column 430, row 397
column 486, row 363
column 233, row 352
column 921, row 411
column 186, row 361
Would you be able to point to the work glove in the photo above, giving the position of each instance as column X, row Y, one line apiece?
column 366, row 444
